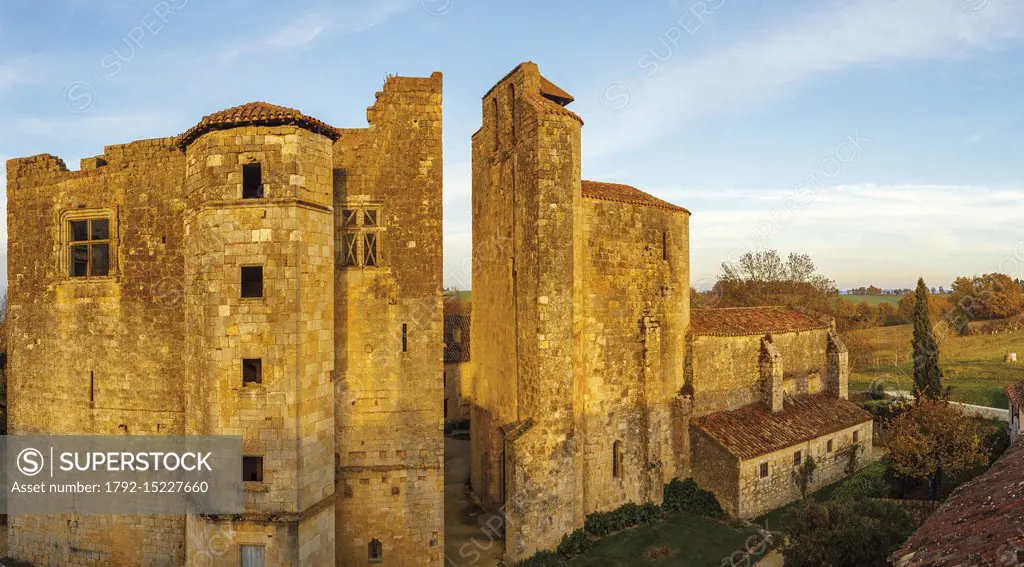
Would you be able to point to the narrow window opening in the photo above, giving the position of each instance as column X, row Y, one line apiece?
column 444, row 379
column 828, row 447
column 494, row 120
column 446, row 408
column 375, row 551
column 92, row 387
column 252, row 555
column 252, row 281
column 252, row 371
column 856, row 436
column 512, row 113
column 664, row 245
column 617, row 459
column 252, row 181
column 252, row 469
column 405, row 337
column 797, row 458
column 764, row 470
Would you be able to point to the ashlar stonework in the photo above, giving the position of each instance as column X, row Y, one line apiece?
column 145, row 287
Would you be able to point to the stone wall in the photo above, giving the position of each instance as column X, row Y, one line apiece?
column 389, row 400
column 715, row 469
column 455, row 375
column 724, row 371
column 68, row 373
column 636, row 311
column 288, row 418
column 527, row 258
column 758, row 495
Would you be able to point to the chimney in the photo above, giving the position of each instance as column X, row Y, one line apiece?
column 771, row 374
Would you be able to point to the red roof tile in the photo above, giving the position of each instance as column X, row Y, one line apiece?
column 625, row 194
column 754, row 430
column 255, row 114
column 456, row 351
column 980, row 524
column 554, row 92
column 740, row 321
column 1016, row 394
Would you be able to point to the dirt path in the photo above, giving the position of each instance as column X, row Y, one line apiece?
column 466, row 542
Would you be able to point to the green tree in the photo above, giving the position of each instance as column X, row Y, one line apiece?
column 932, row 438
column 847, row 533
column 927, row 374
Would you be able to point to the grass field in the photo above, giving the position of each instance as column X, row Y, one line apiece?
column 973, row 365
column 872, row 300
column 683, row 539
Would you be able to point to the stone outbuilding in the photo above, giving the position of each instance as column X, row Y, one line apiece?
column 457, row 367
column 768, row 388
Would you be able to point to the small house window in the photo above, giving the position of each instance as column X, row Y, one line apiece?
column 360, row 239
column 856, row 436
column 828, row 446
column 405, row 337
column 797, row 458
column 764, row 470
column 252, row 181
column 617, row 459
column 252, row 281
column 89, row 248
column 252, row 469
column 375, row 551
column 252, row 371
column 252, row 555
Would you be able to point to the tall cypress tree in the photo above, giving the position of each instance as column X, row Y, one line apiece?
column 927, row 374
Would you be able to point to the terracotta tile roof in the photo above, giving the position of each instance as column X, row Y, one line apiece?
column 547, row 105
column 625, row 194
column 1016, row 394
column 981, row 523
column 740, row 321
column 255, row 114
column 456, row 351
column 554, row 92
column 754, row 430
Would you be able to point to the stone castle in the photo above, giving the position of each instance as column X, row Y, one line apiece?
column 269, row 276
column 593, row 383
column 263, row 275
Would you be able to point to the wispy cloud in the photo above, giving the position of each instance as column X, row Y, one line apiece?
column 844, row 35
column 864, row 234
column 299, row 34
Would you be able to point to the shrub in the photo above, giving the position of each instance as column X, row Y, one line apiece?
column 868, row 483
column 576, row 543
column 847, row 533
column 543, row 559
column 686, row 496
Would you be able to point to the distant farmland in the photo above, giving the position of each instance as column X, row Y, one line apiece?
column 873, row 300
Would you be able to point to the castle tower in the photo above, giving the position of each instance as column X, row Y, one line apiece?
column 526, row 270
column 580, row 309
column 389, row 342
column 259, row 312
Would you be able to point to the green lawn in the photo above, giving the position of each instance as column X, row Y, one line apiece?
column 873, row 300
column 973, row 365
column 683, row 539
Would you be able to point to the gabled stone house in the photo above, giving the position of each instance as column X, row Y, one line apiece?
column 768, row 387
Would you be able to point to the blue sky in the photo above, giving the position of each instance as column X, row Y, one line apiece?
column 881, row 137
